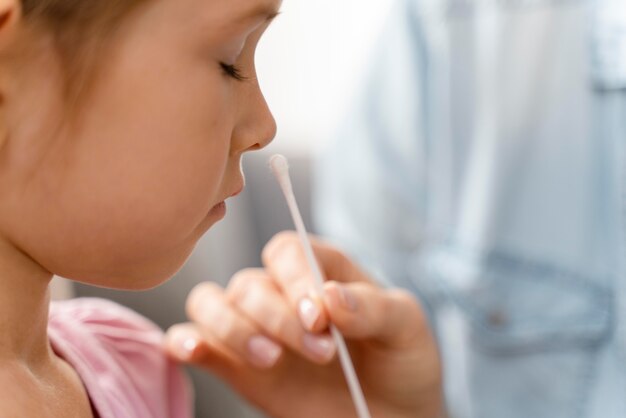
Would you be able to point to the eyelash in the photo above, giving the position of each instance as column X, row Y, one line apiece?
column 232, row 71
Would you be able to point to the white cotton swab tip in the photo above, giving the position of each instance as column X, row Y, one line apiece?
column 280, row 167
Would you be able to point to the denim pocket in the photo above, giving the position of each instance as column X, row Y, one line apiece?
column 513, row 305
column 530, row 334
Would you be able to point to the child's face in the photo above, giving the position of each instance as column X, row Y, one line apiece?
column 121, row 194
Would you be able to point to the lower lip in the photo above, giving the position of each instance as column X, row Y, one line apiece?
column 218, row 211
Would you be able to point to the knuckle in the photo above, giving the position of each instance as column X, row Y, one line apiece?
column 409, row 299
column 404, row 300
column 277, row 244
column 331, row 249
column 249, row 299
column 241, row 282
column 337, row 261
column 278, row 324
column 199, row 296
column 246, row 275
column 224, row 326
column 217, row 318
column 409, row 306
column 273, row 317
column 359, row 324
column 401, row 295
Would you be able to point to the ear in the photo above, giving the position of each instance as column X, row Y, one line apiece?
column 10, row 17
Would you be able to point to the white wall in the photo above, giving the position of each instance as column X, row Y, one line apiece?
column 310, row 61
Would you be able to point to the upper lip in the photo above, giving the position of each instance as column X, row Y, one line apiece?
column 238, row 190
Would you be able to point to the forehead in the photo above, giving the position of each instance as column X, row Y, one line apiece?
column 217, row 20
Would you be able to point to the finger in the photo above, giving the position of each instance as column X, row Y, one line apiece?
column 186, row 343
column 364, row 311
column 286, row 262
column 182, row 342
column 219, row 321
column 254, row 294
column 286, row 246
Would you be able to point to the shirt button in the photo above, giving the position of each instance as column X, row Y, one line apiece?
column 497, row 319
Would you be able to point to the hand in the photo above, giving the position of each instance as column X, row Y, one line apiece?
column 267, row 336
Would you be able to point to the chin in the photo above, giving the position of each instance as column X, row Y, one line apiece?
column 142, row 276
column 137, row 283
column 120, row 281
column 150, row 277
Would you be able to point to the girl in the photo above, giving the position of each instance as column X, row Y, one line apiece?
column 122, row 126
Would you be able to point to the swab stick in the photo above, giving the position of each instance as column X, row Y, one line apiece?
column 280, row 167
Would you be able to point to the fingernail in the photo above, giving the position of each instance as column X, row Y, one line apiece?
column 264, row 353
column 185, row 345
column 347, row 299
column 322, row 348
column 309, row 313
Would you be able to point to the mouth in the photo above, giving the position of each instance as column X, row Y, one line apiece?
column 240, row 184
column 219, row 210
column 237, row 191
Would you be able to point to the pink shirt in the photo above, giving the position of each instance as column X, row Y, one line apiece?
column 117, row 353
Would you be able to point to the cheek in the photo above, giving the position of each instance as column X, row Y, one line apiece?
column 165, row 135
column 141, row 169
column 165, row 175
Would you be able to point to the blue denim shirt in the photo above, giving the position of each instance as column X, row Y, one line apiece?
column 483, row 168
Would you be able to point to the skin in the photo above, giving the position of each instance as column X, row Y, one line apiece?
column 117, row 191
column 126, row 195
column 387, row 333
column 114, row 187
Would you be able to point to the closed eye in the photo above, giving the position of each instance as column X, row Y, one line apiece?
column 232, row 71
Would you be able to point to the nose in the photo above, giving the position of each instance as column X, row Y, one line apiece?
column 257, row 127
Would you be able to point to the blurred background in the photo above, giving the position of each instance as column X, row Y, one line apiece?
column 309, row 63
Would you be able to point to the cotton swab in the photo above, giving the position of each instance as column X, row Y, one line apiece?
column 280, row 168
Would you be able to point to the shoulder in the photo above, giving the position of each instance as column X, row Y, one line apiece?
column 113, row 328
column 95, row 313
column 108, row 328
column 118, row 346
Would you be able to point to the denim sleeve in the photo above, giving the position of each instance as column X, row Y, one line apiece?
column 370, row 182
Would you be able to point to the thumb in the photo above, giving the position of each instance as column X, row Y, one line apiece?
column 392, row 317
